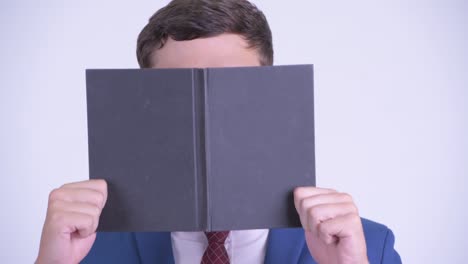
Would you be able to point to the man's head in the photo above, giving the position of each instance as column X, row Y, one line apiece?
column 205, row 33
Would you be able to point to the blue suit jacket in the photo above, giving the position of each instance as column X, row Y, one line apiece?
column 284, row 246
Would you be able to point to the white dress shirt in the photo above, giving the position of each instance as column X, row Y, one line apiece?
column 242, row 246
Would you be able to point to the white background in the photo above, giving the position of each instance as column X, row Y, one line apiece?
column 391, row 107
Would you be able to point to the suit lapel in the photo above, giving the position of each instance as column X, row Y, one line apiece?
column 285, row 246
column 154, row 247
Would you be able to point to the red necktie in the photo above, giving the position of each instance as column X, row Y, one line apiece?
column 216, row 253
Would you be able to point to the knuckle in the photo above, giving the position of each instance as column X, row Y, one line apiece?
column 355, row 219
column 306, row 204
column 313, row 212
column 96, row 211
column 90, row 222
column 101, row 184
column 100, row 199
column 67, row 185
column 56, row 217
column 96, row 199
column 347, row 197
column 54, row 205
column 55, row 194
column 297, row 192
column 322, row 228
column 104, row 183
column 302, row 205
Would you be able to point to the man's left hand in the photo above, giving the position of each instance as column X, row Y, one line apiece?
column 332, row 225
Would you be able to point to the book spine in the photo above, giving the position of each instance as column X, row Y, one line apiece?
column 201, row 181
column 208, row 178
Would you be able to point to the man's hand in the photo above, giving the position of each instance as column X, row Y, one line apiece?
column 72, row 218
column 332, row 225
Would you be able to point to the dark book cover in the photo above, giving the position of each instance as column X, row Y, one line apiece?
column 201, row 149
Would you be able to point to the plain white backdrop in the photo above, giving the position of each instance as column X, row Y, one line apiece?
column 391, row 107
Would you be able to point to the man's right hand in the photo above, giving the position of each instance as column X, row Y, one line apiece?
column 72, row 218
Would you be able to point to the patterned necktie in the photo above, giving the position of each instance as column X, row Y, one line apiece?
column 216, row 253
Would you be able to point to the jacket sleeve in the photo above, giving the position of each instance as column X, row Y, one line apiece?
column 389, row 254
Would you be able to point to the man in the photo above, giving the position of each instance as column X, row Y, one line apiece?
column 210, row 33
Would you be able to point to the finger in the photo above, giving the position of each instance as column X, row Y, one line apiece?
column 64, row 207
column 75, row 207
column 78, row 195
column 94, row 184
column 341, row 227
column 303, row 192
column 323, row 212
column 328, row 198
column 72, row 222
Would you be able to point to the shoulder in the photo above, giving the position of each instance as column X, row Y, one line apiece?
column 374, row 230
column 380, row 242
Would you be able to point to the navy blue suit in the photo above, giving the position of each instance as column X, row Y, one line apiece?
column 284, row 246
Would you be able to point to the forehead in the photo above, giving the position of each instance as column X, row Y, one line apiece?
column 225, row 50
